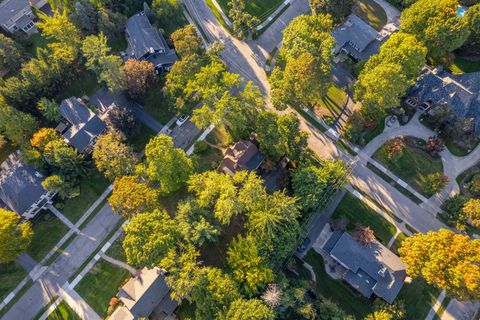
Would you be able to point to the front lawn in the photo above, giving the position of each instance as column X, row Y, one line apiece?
column 84, row 84
column 332, row 105
column 413, row 165
column 398, row 242
column 63, row 312
column 47, row 231
column 100, row 284
column 91, row 187
column 371, row 13
column 116, row 250
column 208, row 160
column 261, row 9
column 336, row 291
column 419, row 297
column 11, row 274
column 140, row 140
column 358, row 212
column 461, row 65
column 157, row 104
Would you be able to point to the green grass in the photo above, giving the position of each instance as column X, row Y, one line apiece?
column 47, row 231
column 219, row 136
column 140, row 140
column 11, row 274
column 19, row 294
column 358, row 212
column 261, row 9
column 311, row 120
column 217, row 15
column 116, row 250
column 345, row 146
column 336, row 290
column 208, row 160
column 91, row 187
column 63, row 312
column 45, row 307
column 85, row 83
column 372, row 13
column 100, row 284
column 332, row 104
column 378, row 204
column 413, row 166
column 419, row 297
column 461, row 65
column 157, row 104
column 37, row 41
column 398, row 241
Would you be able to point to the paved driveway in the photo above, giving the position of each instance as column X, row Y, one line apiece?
column 184, row 135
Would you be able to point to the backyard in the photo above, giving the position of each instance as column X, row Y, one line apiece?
column 332, row 105
column 372, row 13
column 11, row 274
column 47, row 231
column 358, row 212
column 412, row 165
column 140, row 140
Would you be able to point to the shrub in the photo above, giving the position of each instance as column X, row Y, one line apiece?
column 393, row 149
column 453, row 211
column 201, row 147
column 434, row 182
column 474, row 186
column 434, row 146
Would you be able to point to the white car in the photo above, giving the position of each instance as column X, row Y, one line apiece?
column 182, row 119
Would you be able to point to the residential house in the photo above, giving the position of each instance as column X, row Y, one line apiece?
column 143, row 295
column 17, row 15
column 82, row 126
column 356, row 38
column 20, row 188
column 373, row 270
column 243, row 155
column 459, row 93
column 146, row 43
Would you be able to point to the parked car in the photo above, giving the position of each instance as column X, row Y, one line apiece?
column 182, row 119
column 304, row 245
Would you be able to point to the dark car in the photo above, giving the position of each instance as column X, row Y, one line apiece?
column 304, row 245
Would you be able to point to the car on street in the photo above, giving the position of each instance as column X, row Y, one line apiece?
column 182, row 119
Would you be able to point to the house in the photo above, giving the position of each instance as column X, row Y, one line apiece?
column 147, row 292
column 243, row 155
column 372, row 270
column 82, row 126
column 20, row 188
column 459, row 93
column 356, row 38
column 17, row 15
column 146, row 43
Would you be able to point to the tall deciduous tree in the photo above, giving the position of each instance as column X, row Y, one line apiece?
column 42, row 137
column 436, row 24
column 148, row 238
column 253, row 309
column 123, row 120
column 446, row 260
column 167, row 166
column 66, row 159
column 337, row 9
column 169, row 13
column 63, row 186
column 49, row 109
column 472, row 211
column 139, row 77
column 11, row 55
column 473, row 20
column 60, row 29
column 113, row 157
column 111, row 23
column 196, row 224
column 15, row 237
column 243, row 22
column 187, row 42
column 249, row 269
column 15, row 125
column 86, row 15
column 130, row 197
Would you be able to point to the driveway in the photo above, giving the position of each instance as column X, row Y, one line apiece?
column 184, row 135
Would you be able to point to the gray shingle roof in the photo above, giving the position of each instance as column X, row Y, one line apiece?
column 373, row 269
column 9, row 8
column 86, row 125
column 354, row 33
column 20, row 185
column 142, row 37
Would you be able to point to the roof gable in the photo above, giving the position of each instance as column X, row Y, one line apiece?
column 10, row 8
column 354, row 31
column 142, row 37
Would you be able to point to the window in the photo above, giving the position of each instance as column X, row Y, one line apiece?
column 28, row 26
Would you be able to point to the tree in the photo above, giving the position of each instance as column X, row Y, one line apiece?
column 130, row 197
column 49, row 109
column 473, row 21
column 243, row 22
column 272, row 296
column 95, row 50
column 364, row 235
column 59, row 28
column 472, row 211
column 169, row 13
column 213, row 294
column 15, row 125
column 195, row 223
column 393, row 149
column 66, row 159
column 434, row 145
column 252, row 309
column 112, row 74
column 337, row 9
column 327, row 310
column 434, row 182
column 446, row 260
column 86, row 15
column 249, row 269
column 15, row 237
column 11, row 55
column 139, row 77
column 62, row 186
column 187, row 42
column 436, row 24
column 111, row 23
column 113, row 157
column 167, row 166
column 148, row 238
column 123, row 120
column 315, row 185
column 42, row 137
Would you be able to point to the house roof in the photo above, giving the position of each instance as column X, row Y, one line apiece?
column 142, row 37
column 372, row 269
column 355, row 33
column 85, row 125
column 20, row 185
column 144, row 292
column 461, row 93
column 243, row 155
column 9, row 8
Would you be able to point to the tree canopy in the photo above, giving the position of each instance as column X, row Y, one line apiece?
column 337, row 9
column 253, row 309
column 15, row 237
column 130, row 197
column 113, row 157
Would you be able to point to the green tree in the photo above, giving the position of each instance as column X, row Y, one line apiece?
column 15, row 237
column 337, row 9
column 169, row 13
column 446, row 260
column 86, row 15
column 111, row 23
column 167, row 166
column 434, row 182
column 66, row 159
column 472, row 211
column 327, row 310
column 139, row 77
column 187, row 42
column 130, row 197
column 249, row 269
column 42, row 137
column 112, row 74
column 148, row 238
column 11, row 55
column 15, row 125
column 314, row 185
column 60, row 29
column 473, row 21
column 253, row 309
column 196, row 225
column 49, row 109
column 95, row 49
column 62, row 186
column 113, row 157
column 436, row 24
column 243, row 22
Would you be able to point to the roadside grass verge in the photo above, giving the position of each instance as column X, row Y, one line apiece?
column 11, row 274
column 47, row 231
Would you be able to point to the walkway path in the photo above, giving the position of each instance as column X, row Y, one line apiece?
column 62, row 218
column 80, row 306
column 393, row 14
column 120, row 264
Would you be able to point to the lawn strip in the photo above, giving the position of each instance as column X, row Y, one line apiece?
column 19, row 294
column 62, row 312
column 419, row 298
column 47, row 231
column 11, row 274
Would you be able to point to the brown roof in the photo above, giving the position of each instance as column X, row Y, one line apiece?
column 243, row 155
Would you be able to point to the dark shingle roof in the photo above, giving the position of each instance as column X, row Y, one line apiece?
column 354, row 32
column 86, row 125
column 9, row 8
column 244, row 155
column 20, row 185
column 142, row 37
column 372, row 269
